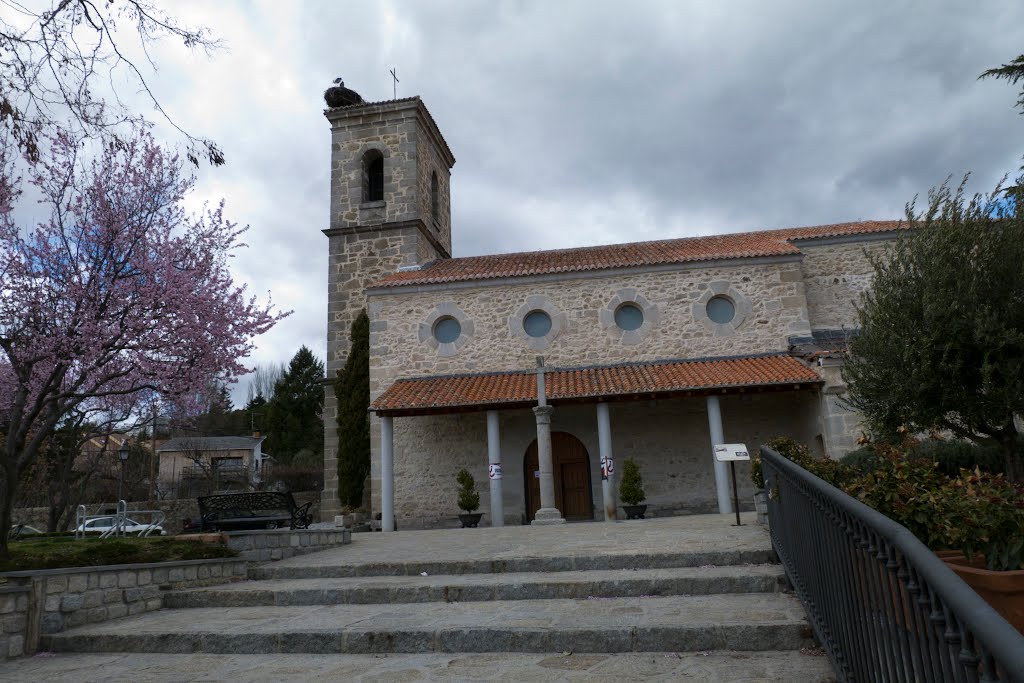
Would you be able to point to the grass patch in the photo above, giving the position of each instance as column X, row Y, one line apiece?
column 58, row 552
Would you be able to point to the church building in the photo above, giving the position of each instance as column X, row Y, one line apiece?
column 650, row 351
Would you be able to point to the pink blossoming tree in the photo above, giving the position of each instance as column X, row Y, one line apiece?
column 118, row 296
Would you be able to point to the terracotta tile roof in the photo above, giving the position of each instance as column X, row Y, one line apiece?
column 683, row 250
column 447, row 393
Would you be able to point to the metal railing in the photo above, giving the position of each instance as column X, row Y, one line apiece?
column 883, row 606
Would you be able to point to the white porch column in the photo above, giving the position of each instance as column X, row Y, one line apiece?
column 721, row 469
column 604, row 442
column 387, row 473
column 494, row 458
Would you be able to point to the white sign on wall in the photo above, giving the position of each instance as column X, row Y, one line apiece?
column 494, row 470
column 725, row 452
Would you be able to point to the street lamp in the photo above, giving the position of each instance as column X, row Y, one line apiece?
column 122, row 453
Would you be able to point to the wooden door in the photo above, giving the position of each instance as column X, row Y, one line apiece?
column 571, row 465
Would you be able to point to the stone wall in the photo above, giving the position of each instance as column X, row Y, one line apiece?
column 264, row 546
column 668, row 438
column 37, row 603
column 835, row 276
column 400, row 344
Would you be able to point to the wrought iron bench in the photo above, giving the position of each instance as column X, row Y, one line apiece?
column 252, row 510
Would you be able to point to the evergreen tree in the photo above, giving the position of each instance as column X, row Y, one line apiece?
column 294, row 416
column 352, row 388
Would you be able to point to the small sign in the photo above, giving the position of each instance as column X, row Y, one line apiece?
column 494, row 470
column 536, row 474
column 607, row 468
column 725, row 452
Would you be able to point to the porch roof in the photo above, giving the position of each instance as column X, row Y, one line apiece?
column 624, row 381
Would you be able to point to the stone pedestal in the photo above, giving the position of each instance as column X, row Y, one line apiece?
column 548, row 513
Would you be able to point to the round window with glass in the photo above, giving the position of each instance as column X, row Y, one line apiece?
column 721, row 309
column 629, row 317
column 447, row 330
column 537, row 324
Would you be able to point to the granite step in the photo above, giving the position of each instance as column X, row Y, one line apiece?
column 316, row 568
column 765, row 578
column 808, row 666
column 747, row 622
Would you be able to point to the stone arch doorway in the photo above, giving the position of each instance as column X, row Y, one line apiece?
column 571, row 467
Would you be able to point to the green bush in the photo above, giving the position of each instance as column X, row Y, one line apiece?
column 978, row 513
column 631, row 488
column 756, row 471
column 953, row 455
column 863, row 460
column 469, row 499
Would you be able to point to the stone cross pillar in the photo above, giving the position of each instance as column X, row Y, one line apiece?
column 721, row 469
column 604, row 442
column 387, row 473
column 495, row 473
column 548, row 513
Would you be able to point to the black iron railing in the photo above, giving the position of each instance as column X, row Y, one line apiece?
column 883, row 606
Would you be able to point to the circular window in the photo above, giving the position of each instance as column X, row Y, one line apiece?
column 537, row 323
column 629, row 317
column 721, row 309
column 447, row 330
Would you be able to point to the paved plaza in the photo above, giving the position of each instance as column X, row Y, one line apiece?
column 682, row 598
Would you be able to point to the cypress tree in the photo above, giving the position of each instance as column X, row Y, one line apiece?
column 352, row 388
column 294, row 420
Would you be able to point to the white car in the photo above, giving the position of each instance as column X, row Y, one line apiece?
column 101, row 524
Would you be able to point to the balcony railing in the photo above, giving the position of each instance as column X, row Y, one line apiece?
column 883, row 606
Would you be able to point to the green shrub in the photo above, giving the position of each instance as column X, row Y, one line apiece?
column 953, row 455
column 631, row 488
column 756, row 470
column 910, row 492
column 791, row 449
column 469, row 499
column 985, row 516
column 863, row 460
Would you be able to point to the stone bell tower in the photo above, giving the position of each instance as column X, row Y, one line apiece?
column 390, row 209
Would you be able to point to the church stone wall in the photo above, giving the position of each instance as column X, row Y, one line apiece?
column 669, row 439
column 835, row 276
column 773, row 290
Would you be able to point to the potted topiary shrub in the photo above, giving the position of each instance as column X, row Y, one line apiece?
column 469, row 500
column 760, row 495
column 631, row 491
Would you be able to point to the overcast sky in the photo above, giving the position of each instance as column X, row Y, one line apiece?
column 585, row 122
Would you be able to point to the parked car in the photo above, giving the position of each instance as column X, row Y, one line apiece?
column 101, row 524
column 22, row 530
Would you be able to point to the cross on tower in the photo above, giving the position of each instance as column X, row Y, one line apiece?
column 395, row 84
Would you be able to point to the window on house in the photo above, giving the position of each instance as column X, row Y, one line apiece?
column 373, row 176
column 435, row 208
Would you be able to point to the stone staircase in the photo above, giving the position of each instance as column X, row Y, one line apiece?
column 699, row 605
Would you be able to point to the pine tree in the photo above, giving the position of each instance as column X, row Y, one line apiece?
column 294, row 416
column 352, row 388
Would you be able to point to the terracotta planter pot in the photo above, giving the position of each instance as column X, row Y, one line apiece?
column 1004, row 591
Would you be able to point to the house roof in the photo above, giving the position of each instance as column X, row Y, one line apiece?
column 211, row 443
column 630, row 255
column 656, row 379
